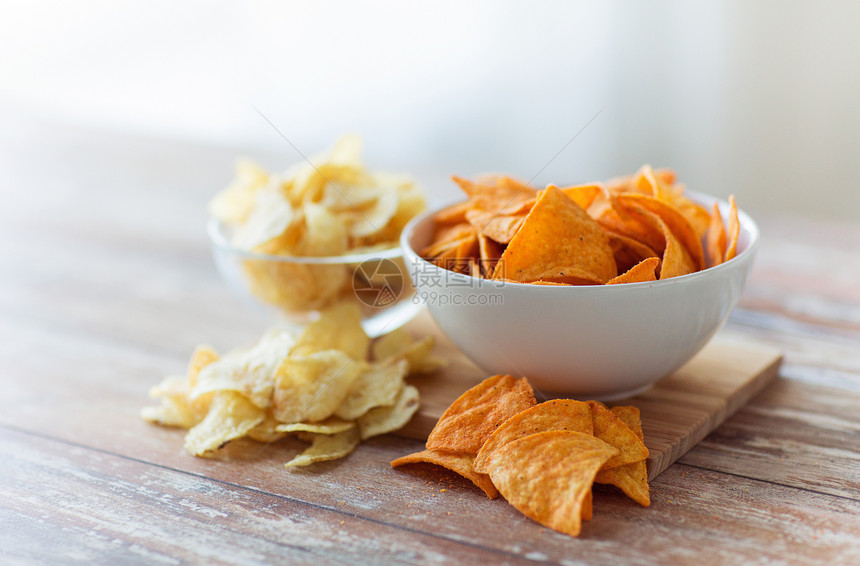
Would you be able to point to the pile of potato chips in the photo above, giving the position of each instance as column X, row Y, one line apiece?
column 329, row 385
column 329, row 206
column 632, row 229
column 543, row 458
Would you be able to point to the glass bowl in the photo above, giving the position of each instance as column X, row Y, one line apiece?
column 297, row 288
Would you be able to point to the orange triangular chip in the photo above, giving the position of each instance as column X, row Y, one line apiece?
column 474, row 415
column 631, row 478
column 557, row 232
column 548, row 475
column 612, row 430
column 734, row 229
column 499, row 227
column 715, row 239
column 642, row 271
column 456, row 462
column 557, row 414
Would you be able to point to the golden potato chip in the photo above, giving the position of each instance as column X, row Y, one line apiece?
column 642, row 271
column 325, row 232
column 311, row 387
column 331, row 425
column 472, row 417
column 376, row 386
column 612, row 430
column 383, row 420
column 548, row 476
column 338, row 328
column 734, row 229
column 230, row 416
column 270, row 217
column 631, row 478
column 327, row 447
column 418, row 353
column 234, row 204
column 266, row 431
column 557, row 232
column 557, row 414
column 715, row 239
column 202, row 356
column 456, row 462
column 174, row 409
column 251, row 372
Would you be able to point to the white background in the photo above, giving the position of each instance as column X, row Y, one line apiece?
column 760, row 99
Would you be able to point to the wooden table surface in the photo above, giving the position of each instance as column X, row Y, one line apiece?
column 106, row 285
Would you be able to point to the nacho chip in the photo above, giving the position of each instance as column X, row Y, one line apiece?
column 557, row 414
column 472, row 417
column 631, row 478
column 645, row 270
column 383, row 420
column 327, row 447
column 498, row 227
column 557, row 233
column 612, row 430
column 676, row 222
column 715, row 239
column 230, row 416
column 456, row 462
column 734, row 229
column 548, row 475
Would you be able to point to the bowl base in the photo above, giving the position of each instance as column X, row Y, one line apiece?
column 603, row 398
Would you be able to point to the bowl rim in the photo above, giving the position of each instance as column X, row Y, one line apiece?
column 745, row 220
column 215, row 229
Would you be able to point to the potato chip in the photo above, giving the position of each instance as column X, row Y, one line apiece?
column 472, row 417
column 557, row 414
column 715, row 240
column 234, row 204
column 645, row 270
column 458, row 463
column 612, row 430
column 251, row 372
column 376, row 386
column 327, row 207
column 311, row 387
column 230, row 416
column 383, row 420
column 338, row 328
column 734, row 229
column 631, row 478
column 418, row 353
column 327, row 447
column 557, row 232
column 266, row 431
column 174, row 409
column 548, row 476
column 331, row 425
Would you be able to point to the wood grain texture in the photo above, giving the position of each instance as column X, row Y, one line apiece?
column 106, row 285
column 677, row 412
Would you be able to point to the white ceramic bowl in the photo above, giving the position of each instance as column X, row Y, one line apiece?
column 598, row 342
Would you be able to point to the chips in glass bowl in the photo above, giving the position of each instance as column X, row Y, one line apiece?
column 324, row 231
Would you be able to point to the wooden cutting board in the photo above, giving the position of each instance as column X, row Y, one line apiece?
column 679, row 411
